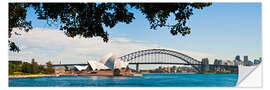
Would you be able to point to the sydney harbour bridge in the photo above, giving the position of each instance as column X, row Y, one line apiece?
column 163, row 56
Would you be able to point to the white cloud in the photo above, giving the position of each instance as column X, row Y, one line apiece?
column 121, row 39
column 54, row 45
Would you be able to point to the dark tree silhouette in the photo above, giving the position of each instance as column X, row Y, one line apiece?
column 34, row 67
column 17, row 16
column 49, row 68
column 89, row 19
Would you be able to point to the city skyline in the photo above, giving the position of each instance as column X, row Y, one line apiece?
column 235, row 29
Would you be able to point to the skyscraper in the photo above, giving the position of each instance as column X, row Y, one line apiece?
column 216, row 62
column 246, row 62
column 237, row 57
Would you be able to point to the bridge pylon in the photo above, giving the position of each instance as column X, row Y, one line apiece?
column 137, row 67
column 204, row 65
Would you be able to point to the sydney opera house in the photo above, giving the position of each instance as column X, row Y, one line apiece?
column 109, row 65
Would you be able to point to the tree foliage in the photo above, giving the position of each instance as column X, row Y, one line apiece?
column 17, row 16
column 12, row 68
column 26, row 67
column 30, row 68
column 49, row 68
column 89, row 19
column 34, row 67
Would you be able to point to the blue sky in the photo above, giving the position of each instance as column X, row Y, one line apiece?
column 222, row 30
column 225, row 29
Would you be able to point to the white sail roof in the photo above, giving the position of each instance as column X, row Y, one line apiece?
column 106, row 57
column 109, row 61
column 112, row 62
column 97, row 65
column 80, row 68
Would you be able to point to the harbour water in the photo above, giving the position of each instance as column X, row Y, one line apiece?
column 147, row 80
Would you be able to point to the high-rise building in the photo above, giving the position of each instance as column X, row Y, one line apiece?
column 246, row 62
column 245, row 58
column 216, row 62
column 237, row 57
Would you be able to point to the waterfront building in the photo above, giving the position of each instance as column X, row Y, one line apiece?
column 112, row 62
column 250, row 63
column 80, row 68
column 223, row 62
column 257, row 62
column 246, row 62
column 94, row 65
column 216, row 62
column 59, row 70
column 220, row 62
column 237, row 57
column 108, row 62
column 108, row 66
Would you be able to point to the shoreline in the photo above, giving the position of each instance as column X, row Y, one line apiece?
column 31, row 76
column 54, row 75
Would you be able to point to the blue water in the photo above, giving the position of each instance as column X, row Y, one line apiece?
column 147, row 80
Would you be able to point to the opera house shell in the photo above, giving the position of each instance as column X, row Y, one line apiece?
column 109, row 61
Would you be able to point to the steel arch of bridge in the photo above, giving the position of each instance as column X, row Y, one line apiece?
column 187, row 59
